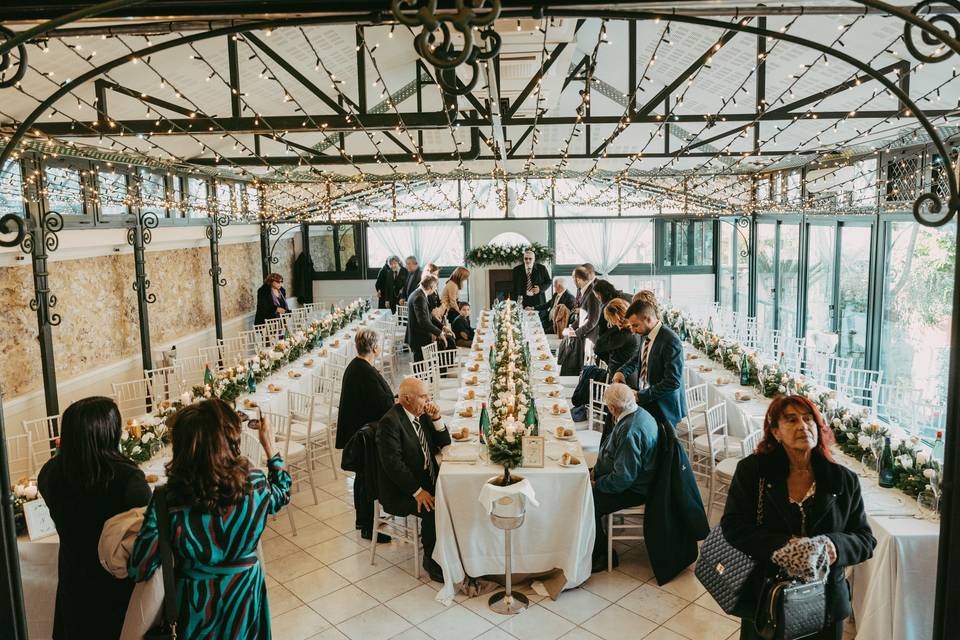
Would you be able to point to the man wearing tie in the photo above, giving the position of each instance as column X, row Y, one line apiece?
column 413, row 279
column 548, row 310
column 530, row 281
column 409, row 437
column 659, row 364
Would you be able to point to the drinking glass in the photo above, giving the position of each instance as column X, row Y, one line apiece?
column 876, row 445
column 928, row 505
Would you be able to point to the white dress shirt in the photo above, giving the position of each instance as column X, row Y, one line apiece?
column 437, row 425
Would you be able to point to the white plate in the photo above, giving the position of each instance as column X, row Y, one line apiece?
column 471, row 438
column 568, row 466
column 744, row 400
column 565, row 438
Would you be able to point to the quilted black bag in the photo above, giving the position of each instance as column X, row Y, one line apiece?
column 723, row 569
column 790, row 609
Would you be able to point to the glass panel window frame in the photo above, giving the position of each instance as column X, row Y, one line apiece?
column 11, row 189
column 340, row 235
column 685, row 245
column 108, row 182
column 147, row 181
column 197, row 198
column 67, row 179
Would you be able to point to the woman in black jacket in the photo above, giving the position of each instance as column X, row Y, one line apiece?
column 805, row 494
column 605, row 293
column 271, row 299
column 617, row 345
column 88, row 482
column 365, row 397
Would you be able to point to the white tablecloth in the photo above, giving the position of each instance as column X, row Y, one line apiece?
column 559, row 534
column 893, row 592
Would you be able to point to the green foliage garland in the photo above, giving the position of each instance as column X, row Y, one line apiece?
column 495, row 254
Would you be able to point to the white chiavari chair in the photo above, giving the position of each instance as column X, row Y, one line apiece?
column 212, row 357
column 713, row 445
column 233, row 350
column 400, row 528
column 164, row 384
column 325, row 406
column 20, row 459
column 189, row 371
column 429, row 351
column 251, row 449
column 335, row 373
column 630, row 518
column 447, row 363
column 596, row 409
column 402, row 315
column 44, row 433
column 133, row 398
column 833, row 371
column 857, row 385
column 295, row 457
column 305, row 427
column 276, row 326
column 725, row 469
column 695, row 422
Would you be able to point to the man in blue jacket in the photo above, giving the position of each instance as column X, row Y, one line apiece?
column 658, row 364
column 625, row 466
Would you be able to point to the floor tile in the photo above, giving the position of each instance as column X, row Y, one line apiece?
column 413, row 633
column 653, row 603
column 480, row 605
column 316, row 584
column 291, row 566
column 329, row 551
column 280, row 600
column 698, row 623
column 686, row 586
column 277, row 547
column 580, row 634
column 343, row 604
column 327, row 508
column 343, row 522
column 615, row 622
column 304, row 498
column 662, row 633
column 282, row 523
column 331, row 633
column 456, row 622
column 388, row 584
column 537, row 623
column 314, row 534
column 417, row 604
column 612, row 586
column 496, row 634
column 378, row 623
column 297, row 624
column 706, row 601
column 576, row 605
column 636, row 564
column 358, row 567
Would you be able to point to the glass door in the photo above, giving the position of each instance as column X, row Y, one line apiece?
column 766, row 276
column 788, row 261
column 854, row 278
column 821, row 250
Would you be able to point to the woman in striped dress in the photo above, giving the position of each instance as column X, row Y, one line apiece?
column 218, row 507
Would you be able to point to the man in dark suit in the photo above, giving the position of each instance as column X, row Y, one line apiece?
column 548, row 309
column 413, row 279
column 386, row 283
column 421, row 329
column 530, row 281
column 409, row 437
column 658, row 364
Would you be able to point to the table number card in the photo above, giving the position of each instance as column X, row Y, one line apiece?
column 39, row 522
column 533, row 451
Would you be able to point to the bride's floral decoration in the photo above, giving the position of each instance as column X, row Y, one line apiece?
column 857, row 431
column 487, row 254
column 509, row 388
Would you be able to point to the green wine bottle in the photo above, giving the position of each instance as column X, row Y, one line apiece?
column 744, row 370
column 251, row 381
column 207, row 374
column 484, row 424
column 531, row 423
column 886, row 478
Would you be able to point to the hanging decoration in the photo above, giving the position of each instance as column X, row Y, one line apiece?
column 496, row 254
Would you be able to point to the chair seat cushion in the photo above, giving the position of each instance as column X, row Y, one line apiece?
column 299, row 430
column 726, row 467
column 702, row 446
column 568, row 381
column 589, row 440
column 296, row 449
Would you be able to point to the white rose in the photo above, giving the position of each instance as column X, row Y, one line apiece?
column 124, row 436
column 906, row 461
column 923, row 457
column 19, row 489
column 929, row 474
column 30, row 492
column 782, row 389
column 864, row 441
column 135, row 450
column 147, row 437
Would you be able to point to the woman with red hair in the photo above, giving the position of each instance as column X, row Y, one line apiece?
column 790, row 492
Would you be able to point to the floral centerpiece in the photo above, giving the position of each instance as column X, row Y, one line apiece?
column 509, row 389
column 24, row 491
column 497, row 254
column 141, row 440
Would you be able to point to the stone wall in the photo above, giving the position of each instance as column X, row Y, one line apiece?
column 98, row 307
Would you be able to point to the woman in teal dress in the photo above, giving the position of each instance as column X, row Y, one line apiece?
column 218, row 507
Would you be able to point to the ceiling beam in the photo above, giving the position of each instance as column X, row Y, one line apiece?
column 544, row 68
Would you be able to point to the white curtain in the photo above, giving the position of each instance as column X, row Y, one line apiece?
column 427, row 241
column 604, row 243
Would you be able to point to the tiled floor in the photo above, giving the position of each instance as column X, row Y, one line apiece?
column 322, row 587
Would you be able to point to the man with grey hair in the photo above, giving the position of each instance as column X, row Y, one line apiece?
column 530, row 280
column 548, row 310
column 625, row 465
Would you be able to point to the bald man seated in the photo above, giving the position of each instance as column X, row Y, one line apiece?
column 625, row 465
column 409, row 437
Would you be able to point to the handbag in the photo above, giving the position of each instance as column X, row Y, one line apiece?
column 167, row 629
column 723, row 569
column 790, row 609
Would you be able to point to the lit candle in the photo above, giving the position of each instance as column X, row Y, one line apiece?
column 185, row 398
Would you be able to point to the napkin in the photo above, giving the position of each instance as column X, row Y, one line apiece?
column 491, row 493
column 460, row 453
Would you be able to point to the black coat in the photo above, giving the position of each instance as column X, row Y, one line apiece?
column 389, row 287
column 364, row 397
column 616, row 347
column 420, row 325
column 589, row 328
column 303, row 278
column 836, row 511
column 539, row 277
column 401, row 472
column 674, row 519
column 410, row 283
column 91, row 603
column 360, row 456
column 266, row 309
column 566, row 299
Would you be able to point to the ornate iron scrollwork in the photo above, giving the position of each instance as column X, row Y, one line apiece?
column 214, row 232
column 440, row 49
column 138, row 237
column 742, row 224
column 938, row 21
column 12, row 223
column 7, row 61
column 44, row 233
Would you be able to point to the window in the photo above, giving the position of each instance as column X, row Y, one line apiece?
column 688, row 243
column 64, row 190
column 821, row 245
column 604, row 243
column 437, row 242
column 11, row 189
column 334, row 249
column 766, row 264
column 510, row 239
column 253, row 199
column 917, row 296
column 176, row 195
column 726, row 268
column 528, row 198
column 788, row 261
column 153, row 191
column 483, row 198
column 426, row 200
column 852, row 301
column 579, row 199
column 112, row 192
column 197, row 193
column 225, row 202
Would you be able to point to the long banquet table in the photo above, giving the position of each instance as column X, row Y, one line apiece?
column 893, row 592
column 559, row 534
